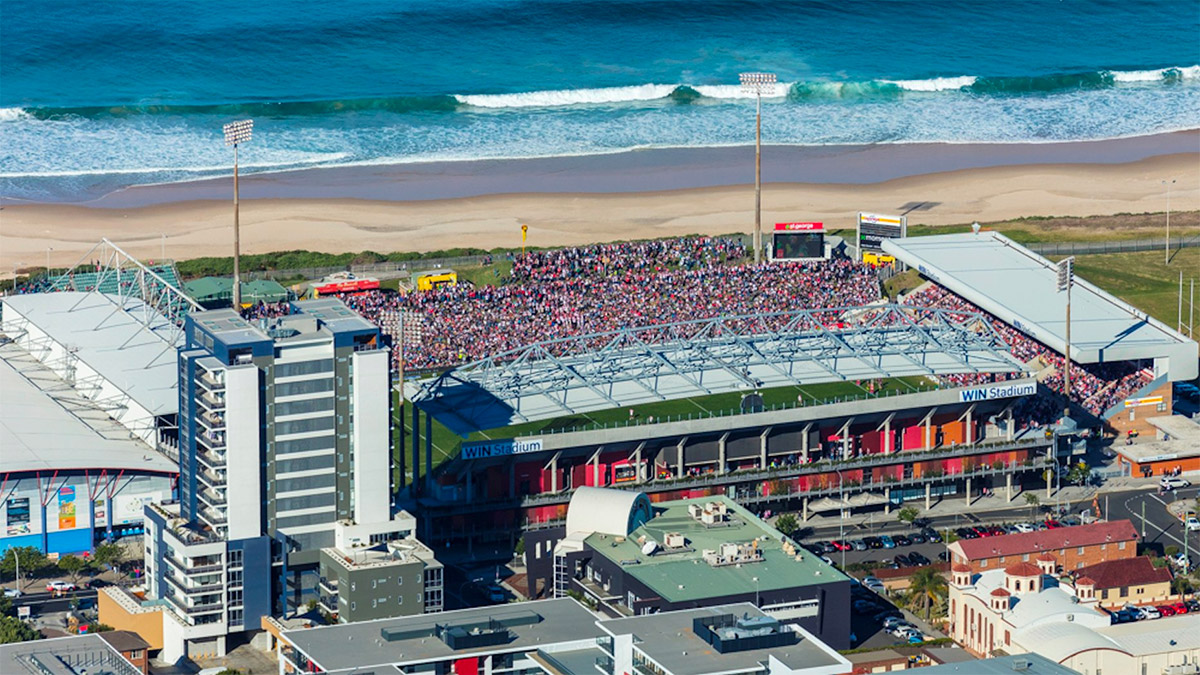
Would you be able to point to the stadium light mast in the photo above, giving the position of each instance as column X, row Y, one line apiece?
column 1168, row 245
column 235, row 134
column 1066, row 278
column 758, row 84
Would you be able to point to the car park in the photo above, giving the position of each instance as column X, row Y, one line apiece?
column 887, row 541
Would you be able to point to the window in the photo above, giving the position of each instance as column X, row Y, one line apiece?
column 983, row 563
column 135, row 654
column 1080, row 550
column 374, row 583
column 418, row 577
column 399, row 579
column 1001, row 560
column 1124, row 591
column 399, row 599
column 1104, row 594
column 1121, row 546
column 353, row 606
column 1025, row 557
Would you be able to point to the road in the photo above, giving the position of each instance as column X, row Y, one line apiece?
column 44, row 603
column 1159, row 527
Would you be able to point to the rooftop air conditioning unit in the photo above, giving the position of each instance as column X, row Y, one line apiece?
column 674, row 540
column 1021, row 664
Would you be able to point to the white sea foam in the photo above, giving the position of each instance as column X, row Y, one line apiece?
column 12, row 114
column 563, row 97
column 1158, row 75
column 732, row 91
column 934, row 84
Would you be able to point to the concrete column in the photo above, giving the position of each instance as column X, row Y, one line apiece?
column 804, row 443
column 721, row 453
column 887, row 436
column 928, row 496
column 804, row 509
column 970, row 430
column 679, row 457
column 1049, row 475
column 1008, row 486
column 637, row 458
column 887, row 506
column 844, row 432
column 552, row 467
column 1011, row 431
column 762, row 448
column 968, row 492
column 929, row 431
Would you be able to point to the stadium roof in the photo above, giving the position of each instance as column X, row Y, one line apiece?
column 46, row 426
column 654, row 363
column 121, row 338
column 1019, row 287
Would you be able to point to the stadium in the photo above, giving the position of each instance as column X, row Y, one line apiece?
column 87, row 361
column 835, row 400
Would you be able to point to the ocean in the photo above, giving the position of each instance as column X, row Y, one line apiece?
column 98, row 97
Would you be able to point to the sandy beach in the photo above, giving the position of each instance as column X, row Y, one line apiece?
column 585, row 200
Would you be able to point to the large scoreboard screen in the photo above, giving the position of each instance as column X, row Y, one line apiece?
column 874, row 228
column 797, row 241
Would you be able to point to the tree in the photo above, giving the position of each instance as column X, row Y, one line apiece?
column 1079, row 474
column 787, row 524
column 519, row 549
column 1181, row 585
column 109, row 554
column 907, row 515
column 31, row 562
column 15, row 630
column 72, row 565
column 1032, row 500
column 926, row 588
column 6, row 606
column 97, row 627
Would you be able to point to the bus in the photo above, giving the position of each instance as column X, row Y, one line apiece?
column 344, row 282
column 427, row 281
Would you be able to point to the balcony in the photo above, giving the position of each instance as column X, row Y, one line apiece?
column 195, row 569
column 213, row 517
column 210, row 402
column 210, row 381
column 211, row 479
column 184, row 587
column 211, row 459
column 213, row 498
column 211, row 421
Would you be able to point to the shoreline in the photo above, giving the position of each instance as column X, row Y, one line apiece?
column 640, row 170
column 665, row 194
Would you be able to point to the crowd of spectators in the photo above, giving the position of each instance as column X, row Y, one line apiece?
column 598, row 289
column 1096, row 387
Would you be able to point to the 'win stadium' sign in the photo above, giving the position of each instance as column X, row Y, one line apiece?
column 511, row 446
column 997, row 391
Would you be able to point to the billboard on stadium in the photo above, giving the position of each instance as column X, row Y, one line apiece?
column 874, row 228
column 509, row 446
column 798, row 241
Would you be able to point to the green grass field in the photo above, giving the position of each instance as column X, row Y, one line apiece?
column 1143, row 279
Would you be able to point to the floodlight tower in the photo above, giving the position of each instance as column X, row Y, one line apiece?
column 1065, row 278
column 1168, row 184
column 758, row 84
column 236, row 133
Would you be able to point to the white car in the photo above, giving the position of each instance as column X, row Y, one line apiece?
column 1192, row 523
column 1178, row 560
column 12, row 593
column 1148, row 612
column 60, row 586
column 1025, row 527
column 893, row 622
column 1169, row 483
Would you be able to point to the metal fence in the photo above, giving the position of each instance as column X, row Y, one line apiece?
column 1130, row 246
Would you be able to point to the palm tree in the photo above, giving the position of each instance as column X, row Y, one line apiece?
column 927, row 587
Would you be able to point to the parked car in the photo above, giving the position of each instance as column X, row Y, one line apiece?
column 827, row 547
column 1173, row 483
column 12, row 593
column 858, row 545
column 944, row 556
column 1192, row 605
column 1181, row 608
column 888, row 542
column 495, row 593
column 1071, row 521
column 918, row 559
column 864, row 606
column 1179, row 560
column 1052, row 524
column 874, row 542
column 966, row 533
column 902, row 540
column 1124, row 616
column 841, row 545
column 1192, row 523
column 902, row 560
column 1025, row 527
column 1148, row 612
column 60, row 586
column 915, row 638
column 1167, row 610
column 917, row 538
column 931, row 535
column 893, row 622
column 870, row 579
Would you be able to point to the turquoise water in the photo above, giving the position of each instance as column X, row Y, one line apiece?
column 97, row 97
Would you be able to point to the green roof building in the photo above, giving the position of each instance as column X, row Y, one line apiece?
column 216, row 292
column 686, row 554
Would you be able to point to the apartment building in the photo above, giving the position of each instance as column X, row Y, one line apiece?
column 1069, row 548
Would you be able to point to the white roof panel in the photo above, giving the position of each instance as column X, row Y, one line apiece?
column 1019, row 287
column 139, row 358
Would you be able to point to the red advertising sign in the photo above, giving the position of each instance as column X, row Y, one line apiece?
column 810, row 227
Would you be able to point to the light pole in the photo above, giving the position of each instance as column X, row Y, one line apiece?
column 48, row 250
column 1065, row 279
column 758, row 84
column 236, row 133
column 1168, row 246
column 842, row 516
column 755, row 591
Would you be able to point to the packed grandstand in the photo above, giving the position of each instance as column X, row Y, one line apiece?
column 592, row 290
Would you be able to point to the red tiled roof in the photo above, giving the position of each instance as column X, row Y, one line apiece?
column 1021, row 543
column 959, row 567
column 1023, row 569
column 1085, row 581
column 1127, row 572
column 1046, row 557
column 1000, row 593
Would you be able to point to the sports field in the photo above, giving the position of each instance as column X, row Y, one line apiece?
column 446, row 443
